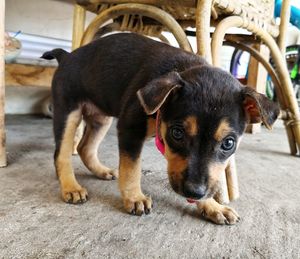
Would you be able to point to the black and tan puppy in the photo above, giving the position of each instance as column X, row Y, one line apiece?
column 202, row 111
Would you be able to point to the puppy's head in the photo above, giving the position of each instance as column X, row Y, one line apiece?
column 204, row 112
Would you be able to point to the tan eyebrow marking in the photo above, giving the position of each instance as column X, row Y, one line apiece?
column 190, row 124
column 223, row 130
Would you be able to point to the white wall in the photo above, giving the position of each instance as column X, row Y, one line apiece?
column 50, row 18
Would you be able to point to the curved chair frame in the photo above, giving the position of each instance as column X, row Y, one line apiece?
column 288, row 100
column 146, row 10
column 253, row 52
column 285, row 113
column 116, row 26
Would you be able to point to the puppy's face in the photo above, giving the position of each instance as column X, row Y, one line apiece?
column 198, row 147
column 203, row 117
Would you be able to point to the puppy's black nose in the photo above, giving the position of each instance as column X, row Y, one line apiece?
column 192, row 190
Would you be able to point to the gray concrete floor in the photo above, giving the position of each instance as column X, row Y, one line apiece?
column 35, row 223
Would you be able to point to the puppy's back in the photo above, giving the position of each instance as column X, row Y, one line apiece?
column 110, row 66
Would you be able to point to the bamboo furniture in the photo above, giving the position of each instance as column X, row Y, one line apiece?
column 152, row 17
column 3, row 161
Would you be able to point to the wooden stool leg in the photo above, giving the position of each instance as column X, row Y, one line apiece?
column 3, row 161
column 232, row 180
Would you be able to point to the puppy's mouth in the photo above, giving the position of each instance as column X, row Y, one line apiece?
column 208, row 194
column 189, row 200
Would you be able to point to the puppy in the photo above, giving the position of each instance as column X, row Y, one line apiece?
column 197, row 112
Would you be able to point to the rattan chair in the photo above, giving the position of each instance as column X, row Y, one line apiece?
column 152, row 17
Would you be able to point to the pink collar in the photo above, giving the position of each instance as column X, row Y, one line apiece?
column 158, row 139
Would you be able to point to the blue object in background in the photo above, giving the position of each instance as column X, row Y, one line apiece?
column 295, row 13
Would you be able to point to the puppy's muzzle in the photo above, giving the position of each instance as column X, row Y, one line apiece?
column 194, row 191
column 186, row 187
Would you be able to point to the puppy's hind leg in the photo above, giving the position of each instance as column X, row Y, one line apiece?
column 96, row 128
column 65, row 125
column 78, row 137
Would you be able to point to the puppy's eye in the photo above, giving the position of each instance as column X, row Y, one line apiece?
column 177, row 133
column 228, row 144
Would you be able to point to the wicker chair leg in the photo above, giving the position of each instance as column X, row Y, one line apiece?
column 232, row 180
column 145, row 10
column 3, row 161
column 284, row 21
column 78, row 25
column 288, row 98
column 202, row 29
column 291, row 138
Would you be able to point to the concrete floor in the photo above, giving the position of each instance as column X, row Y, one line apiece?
column 35, row 223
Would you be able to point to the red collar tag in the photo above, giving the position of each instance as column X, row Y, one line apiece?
column 158, row 139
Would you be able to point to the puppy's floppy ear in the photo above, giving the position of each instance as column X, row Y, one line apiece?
column 259, row 108
column 154, row 94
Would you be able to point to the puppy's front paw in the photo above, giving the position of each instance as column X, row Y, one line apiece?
column 75, row 195
column 217, row 213
column 138, row 205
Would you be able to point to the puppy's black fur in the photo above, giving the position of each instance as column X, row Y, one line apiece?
column 109, row 72
column 203, row 111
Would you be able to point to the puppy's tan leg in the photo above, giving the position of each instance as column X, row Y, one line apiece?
column 135, row 202
column 71, row 190
column 217, row 213
column 96, row 128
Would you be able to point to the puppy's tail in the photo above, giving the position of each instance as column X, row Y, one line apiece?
column 59, row 54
